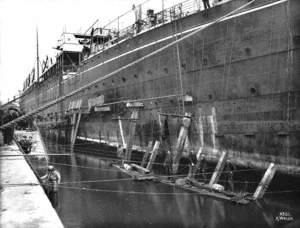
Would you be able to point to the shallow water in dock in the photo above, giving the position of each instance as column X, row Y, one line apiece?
column 112, row 200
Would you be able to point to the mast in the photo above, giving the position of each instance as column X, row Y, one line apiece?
column 37, row 95
column 37, row 56
column 162, row 10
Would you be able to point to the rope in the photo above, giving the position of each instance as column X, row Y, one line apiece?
column 179, row 70
column 283, row 191
column 206, row 42
column 96, row 181
column 289, row 75
column 29, row 155
column 19, row 184
column 205, row 173
column 135, row 192
column 104, row 152
column 122, row 68
column 128, row 192
column 154, row 193
column 175, row 95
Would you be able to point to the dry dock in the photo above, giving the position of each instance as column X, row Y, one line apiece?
column 23, row 201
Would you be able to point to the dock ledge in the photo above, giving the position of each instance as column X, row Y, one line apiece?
column 23, row 201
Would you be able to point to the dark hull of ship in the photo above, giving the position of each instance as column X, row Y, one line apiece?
column 241, row 77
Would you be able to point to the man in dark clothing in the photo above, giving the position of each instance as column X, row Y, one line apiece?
column 8, row 132
column 52, row 179
column 206, row 4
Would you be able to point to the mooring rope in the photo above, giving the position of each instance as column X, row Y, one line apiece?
column 156, row 193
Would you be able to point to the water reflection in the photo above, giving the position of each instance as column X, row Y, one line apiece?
column 80, row 207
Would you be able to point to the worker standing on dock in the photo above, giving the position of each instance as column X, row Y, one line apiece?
column 52, row 179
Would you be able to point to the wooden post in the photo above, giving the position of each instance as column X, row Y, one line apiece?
column 191, row 173
column 213, row 124
column 265, row 181
column 220, row 166
column 76, row 128
column 200, row 151
column 153, row 155
column 132, row 127
column 77, row 125
column 160, row 122
column 73, row 121
column 200, row 134
column 122, row 132
column 146, row 155
column 181, row 141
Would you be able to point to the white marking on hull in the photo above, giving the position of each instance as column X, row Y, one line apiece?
column 180, row 33
column 173, row 35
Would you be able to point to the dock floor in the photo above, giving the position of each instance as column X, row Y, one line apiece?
column 23, row 202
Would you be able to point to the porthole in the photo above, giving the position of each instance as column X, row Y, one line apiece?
column 248, row 51
column 253, row 91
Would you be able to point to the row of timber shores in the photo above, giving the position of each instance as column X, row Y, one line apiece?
column 238, row 79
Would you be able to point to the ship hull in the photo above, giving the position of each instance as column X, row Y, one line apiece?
column 239, row 77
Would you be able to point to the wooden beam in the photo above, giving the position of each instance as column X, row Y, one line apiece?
column 160, row 122
column 73, row 119
column 214, row 126
column 191, row 173
column 181, row 141
column 146, row 154
column 265, row 181
column 121, row 132
column 200, row 151
column 220, row 166
column 134, row 115
column 140, row 168
column 153, row 155
column 76, row 129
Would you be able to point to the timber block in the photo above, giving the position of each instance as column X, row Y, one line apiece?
column 140, row 168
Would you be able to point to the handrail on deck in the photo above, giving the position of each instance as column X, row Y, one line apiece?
column 149, row 20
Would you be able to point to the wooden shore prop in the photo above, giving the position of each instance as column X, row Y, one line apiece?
column 144, row 172
column 140, row 173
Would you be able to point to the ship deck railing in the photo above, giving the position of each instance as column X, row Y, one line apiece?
column 122, row 28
